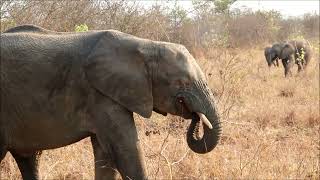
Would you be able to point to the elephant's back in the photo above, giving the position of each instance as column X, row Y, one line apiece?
column 35, row 69
column 301, row 45
column 42, row 43
column 277, row 47
column 29, row 28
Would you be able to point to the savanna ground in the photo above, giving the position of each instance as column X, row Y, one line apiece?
column 270, row 123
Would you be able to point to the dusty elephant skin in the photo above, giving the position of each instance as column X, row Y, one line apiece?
column 58, row 88
column 290, row 53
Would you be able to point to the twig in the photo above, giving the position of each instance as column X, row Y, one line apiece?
column 50, row 169
column 162, row 147
column 241, row 124
column 181, row 159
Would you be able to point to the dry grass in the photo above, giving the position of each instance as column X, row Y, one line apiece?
column 270, row 128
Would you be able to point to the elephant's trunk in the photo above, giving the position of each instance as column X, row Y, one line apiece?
column 211, row 134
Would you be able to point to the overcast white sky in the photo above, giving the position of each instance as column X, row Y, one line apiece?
column 286, row 7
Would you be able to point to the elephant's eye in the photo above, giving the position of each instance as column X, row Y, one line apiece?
column 180, row 99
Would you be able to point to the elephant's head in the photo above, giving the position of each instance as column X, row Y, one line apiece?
column 270, row 55
column 287, row 51
column 180, row 88
column 144, row 75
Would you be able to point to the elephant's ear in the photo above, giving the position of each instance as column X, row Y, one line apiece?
column 287, row 51
column 119, row 72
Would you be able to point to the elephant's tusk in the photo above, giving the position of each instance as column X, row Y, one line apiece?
column 205, row 120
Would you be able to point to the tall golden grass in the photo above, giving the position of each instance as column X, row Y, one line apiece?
column 270, row 128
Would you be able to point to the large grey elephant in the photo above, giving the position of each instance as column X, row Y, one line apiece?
column 290, row 53
column 58, row 88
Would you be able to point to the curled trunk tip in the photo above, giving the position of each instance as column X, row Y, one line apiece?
column 209, row 139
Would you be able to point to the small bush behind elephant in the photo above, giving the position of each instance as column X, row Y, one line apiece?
column 290, row 53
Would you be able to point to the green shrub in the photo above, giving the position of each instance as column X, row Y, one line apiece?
column 81, row 28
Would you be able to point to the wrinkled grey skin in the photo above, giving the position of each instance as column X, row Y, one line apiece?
column 59, row 88
column 289, row 54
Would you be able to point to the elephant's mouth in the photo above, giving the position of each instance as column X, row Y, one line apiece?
column 186, row 112
column 159, row 111
column 183, row 109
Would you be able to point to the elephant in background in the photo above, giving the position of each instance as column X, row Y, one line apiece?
column 290, row 53
column 272, row 54
column 58, row 88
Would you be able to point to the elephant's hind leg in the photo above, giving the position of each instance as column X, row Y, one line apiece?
column 3, row 153
column 105, row 167
column 3, row 150
column 28, row 164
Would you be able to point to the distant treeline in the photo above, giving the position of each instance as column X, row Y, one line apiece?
column 208, row 24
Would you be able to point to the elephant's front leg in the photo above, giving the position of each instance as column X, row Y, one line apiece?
column 300, row 67
column 104, row 165
column 287, row 64
column 3, row 151
column 116, row 134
